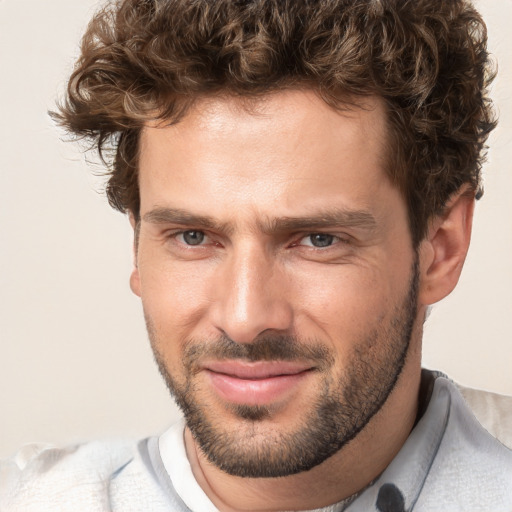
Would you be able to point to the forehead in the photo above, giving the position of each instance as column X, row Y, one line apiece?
column 301, row 111
column 282, row 149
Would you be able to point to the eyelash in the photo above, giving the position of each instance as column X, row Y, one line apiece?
column 336, row 239
column 175, row 234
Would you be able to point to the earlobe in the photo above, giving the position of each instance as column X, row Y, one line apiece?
column 444, row 249
column 134, row 276
column 135, row 281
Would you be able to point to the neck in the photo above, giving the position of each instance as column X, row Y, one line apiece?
column 337, row 478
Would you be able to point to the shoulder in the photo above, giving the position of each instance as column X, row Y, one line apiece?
column 492, row 410
column 97, row 476
column 470, row 467
column 39, row 476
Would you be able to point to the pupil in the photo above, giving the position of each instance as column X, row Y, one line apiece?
column 321, row 240
column 193, row 237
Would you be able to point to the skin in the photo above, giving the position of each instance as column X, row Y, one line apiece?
column 240, row 172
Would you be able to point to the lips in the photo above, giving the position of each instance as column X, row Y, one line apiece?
column 255, row 383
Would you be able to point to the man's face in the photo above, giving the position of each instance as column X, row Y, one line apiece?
column 277, row 276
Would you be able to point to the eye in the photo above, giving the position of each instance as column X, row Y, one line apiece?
column 319, row 240
column 192, row 237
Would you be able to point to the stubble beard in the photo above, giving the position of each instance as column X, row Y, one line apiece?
column 344, row 406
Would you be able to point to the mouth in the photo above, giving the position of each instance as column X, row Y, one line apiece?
column 256, row 383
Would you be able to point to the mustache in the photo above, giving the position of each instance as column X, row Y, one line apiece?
column 266, row 347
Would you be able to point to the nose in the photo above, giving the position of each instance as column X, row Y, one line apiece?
column 251, row 295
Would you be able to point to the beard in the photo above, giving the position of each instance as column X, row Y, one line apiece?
column 346, row 401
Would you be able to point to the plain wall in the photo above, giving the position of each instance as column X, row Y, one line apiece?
column 75, row 363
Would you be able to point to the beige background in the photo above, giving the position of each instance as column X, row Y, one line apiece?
column 74, row 358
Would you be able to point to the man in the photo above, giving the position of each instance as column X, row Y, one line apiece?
column 300, row 177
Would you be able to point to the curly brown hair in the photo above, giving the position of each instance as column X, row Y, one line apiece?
column 150, row 59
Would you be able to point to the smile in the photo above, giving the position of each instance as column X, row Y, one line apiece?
column 257, row 383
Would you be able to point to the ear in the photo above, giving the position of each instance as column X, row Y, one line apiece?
column 134, row 276
column 444, row 249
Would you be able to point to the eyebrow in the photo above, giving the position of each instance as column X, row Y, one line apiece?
column 332, row 218
column 163, row 215
column 324, row 219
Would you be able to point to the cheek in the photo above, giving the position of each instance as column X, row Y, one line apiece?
column 174, row 295
column 345, row 302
